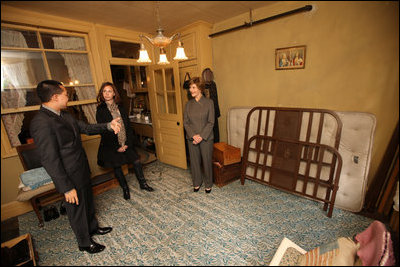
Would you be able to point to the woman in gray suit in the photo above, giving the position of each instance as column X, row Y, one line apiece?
column 199, row 122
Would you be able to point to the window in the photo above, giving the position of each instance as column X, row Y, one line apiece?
column 30, row 55
column 121, row 49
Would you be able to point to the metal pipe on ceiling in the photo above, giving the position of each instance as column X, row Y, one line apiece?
column 252, row 23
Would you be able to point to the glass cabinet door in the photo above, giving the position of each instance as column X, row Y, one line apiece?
column 165, row 91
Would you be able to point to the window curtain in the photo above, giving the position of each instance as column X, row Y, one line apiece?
column 78, row 69
column 14, row 75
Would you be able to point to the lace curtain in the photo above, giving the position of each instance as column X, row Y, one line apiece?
column 15, row 75
column 78, row 69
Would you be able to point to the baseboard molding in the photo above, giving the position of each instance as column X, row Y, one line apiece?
column 14, row 209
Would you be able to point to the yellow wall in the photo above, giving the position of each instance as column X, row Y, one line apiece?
column 352, row 62
column 11, row 168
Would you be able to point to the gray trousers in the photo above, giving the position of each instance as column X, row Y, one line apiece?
column 201, row 153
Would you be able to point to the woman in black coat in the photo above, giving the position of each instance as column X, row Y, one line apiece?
column 117, row 150
column 208, row 79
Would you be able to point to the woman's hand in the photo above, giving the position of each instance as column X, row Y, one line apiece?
column 197, row 139
column 122, row 148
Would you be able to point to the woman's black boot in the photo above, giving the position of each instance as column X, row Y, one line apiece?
column 137, row 168
column 122, row 182
column 127, row 195
column 145, row 186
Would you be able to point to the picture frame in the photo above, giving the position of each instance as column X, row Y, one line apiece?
column 293, row 57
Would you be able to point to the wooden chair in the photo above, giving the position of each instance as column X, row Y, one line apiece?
column 47, row 194
column 33, row 256
column 30, row 159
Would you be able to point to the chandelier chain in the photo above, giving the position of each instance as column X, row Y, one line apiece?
column 158, row 14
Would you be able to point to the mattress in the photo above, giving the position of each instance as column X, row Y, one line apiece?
column 355, row 148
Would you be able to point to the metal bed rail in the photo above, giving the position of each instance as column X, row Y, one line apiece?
column 294, row 149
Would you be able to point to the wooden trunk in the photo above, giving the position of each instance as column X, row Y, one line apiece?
column 226, row 154
column 226, row 174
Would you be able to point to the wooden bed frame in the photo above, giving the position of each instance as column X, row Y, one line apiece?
column 284, row 148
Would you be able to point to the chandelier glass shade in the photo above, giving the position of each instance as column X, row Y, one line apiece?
column 180, row 52
column 163, row 57
column 143, row 55
column 161, row 41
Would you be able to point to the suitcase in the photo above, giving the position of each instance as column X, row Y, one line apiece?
column 226, row 174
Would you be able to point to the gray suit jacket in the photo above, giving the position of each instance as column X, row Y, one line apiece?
column 198, row 118
column 59, row 142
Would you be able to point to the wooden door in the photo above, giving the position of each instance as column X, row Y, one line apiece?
column 166, row 107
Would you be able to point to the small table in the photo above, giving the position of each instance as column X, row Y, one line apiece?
column 14, row 241
column 142, row 127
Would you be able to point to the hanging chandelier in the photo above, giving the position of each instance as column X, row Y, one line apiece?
column 161, row 42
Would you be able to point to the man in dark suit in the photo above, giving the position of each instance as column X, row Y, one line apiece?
column 57, row 136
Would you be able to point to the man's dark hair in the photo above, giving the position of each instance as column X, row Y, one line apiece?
column 46, row 89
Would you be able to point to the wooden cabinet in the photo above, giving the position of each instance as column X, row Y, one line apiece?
column 198, row 49
column 189, row 42
column 143, row 130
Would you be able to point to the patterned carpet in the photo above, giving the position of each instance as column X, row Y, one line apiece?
column 234, row 225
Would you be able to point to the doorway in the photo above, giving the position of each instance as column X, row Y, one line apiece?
column 131, row 83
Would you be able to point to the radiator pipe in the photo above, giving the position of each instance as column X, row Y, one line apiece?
column 252, row 23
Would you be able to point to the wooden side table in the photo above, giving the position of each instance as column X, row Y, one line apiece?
column 13, row 242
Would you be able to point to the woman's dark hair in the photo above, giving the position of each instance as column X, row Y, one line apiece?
column 198, row 82
column 46, row 89
column 207, row 75
column 100, row 97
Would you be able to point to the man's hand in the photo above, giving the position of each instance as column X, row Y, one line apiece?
column 72, row 197
column 116, row 125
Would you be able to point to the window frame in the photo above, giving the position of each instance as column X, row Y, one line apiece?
column 6, row 148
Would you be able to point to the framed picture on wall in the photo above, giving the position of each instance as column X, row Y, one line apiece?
column 293, row 57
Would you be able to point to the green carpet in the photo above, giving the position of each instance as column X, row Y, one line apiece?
column 234, row 225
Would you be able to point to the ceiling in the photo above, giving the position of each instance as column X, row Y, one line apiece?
column 141, row 15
